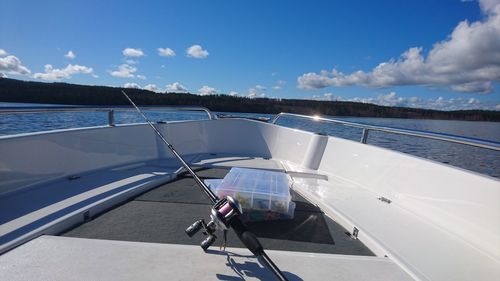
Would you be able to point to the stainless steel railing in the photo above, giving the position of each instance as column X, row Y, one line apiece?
column 110, row 110
column 406, row 132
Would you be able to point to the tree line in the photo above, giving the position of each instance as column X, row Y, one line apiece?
column 12, row 90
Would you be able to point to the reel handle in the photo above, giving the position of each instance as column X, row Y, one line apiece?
column 195, row 227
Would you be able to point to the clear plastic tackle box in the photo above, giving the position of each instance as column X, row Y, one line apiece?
column 257, row 190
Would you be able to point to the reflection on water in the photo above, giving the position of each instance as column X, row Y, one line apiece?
column 476, row 159
column 33, row 122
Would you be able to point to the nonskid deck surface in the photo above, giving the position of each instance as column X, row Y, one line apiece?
column 162, row 214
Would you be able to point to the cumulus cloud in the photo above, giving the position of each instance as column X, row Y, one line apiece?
column 131, row 52
column 197, row 52
column 131, row 86
column 206, row 90
column 467, row 61
column 440, row 103
column 255, row 93
column 149, row 87
column 166, row 52
column 152, row 87
column 142, row 77
column 131, row 61
column 325, row 97
column 260, row 87
column 51, row 73
column 328, row 96
column 279, row 85
column 3, row 53
column 70, row 55
column 233, row 94
column 489, row 6
column 124, row 71
column 473, row 87
column 175, row 87
column 12, row 65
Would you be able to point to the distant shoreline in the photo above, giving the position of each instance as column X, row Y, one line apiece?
column 19, row 91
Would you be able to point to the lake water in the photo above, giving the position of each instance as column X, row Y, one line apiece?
column 475, row 159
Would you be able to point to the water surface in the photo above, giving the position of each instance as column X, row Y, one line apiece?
column 471, row 158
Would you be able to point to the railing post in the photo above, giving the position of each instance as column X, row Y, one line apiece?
column 364, row 137
column 111, row 118
column 275, row 118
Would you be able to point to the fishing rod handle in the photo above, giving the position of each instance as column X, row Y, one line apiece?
column 246, row 236
column 249, row 239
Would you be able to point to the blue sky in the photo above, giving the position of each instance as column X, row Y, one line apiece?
column 422, row 53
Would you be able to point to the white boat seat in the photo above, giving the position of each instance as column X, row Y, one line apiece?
column 35, row 210
column 387, row 229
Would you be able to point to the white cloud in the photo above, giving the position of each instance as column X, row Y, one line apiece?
column 152, row 87
column 489, row 6
column 175, row 87
column 473, row 101
column 124, row 71
column 197, row 52
column 260, row 87
column 206, row 90
column 3, row 53
column 149, row 87
column 12, row 65
column 325, row 97
column 328, row 96
column 131, row 86
column 70, row 55
column 254, row 93
column 3, row 75
column 51, row 73
column 233, row 94
column 473, row 87
column 131, row 52
column 127, row 71
column 131, row 61
column 279, row 85
column 166, row 52
column 467, row 61
column 440, row 103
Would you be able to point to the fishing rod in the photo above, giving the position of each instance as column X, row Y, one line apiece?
column 224, row 214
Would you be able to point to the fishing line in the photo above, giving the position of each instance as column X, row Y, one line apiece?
column 225, row 212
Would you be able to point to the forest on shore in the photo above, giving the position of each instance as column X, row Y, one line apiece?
column 12, row 90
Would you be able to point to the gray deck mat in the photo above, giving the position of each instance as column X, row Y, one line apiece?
column 162, row 214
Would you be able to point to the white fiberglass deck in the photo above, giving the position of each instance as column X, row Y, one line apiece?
column 61, row 258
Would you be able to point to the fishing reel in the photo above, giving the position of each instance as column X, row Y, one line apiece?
column 220, row 216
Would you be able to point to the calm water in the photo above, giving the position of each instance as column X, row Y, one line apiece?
column 476, row 159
